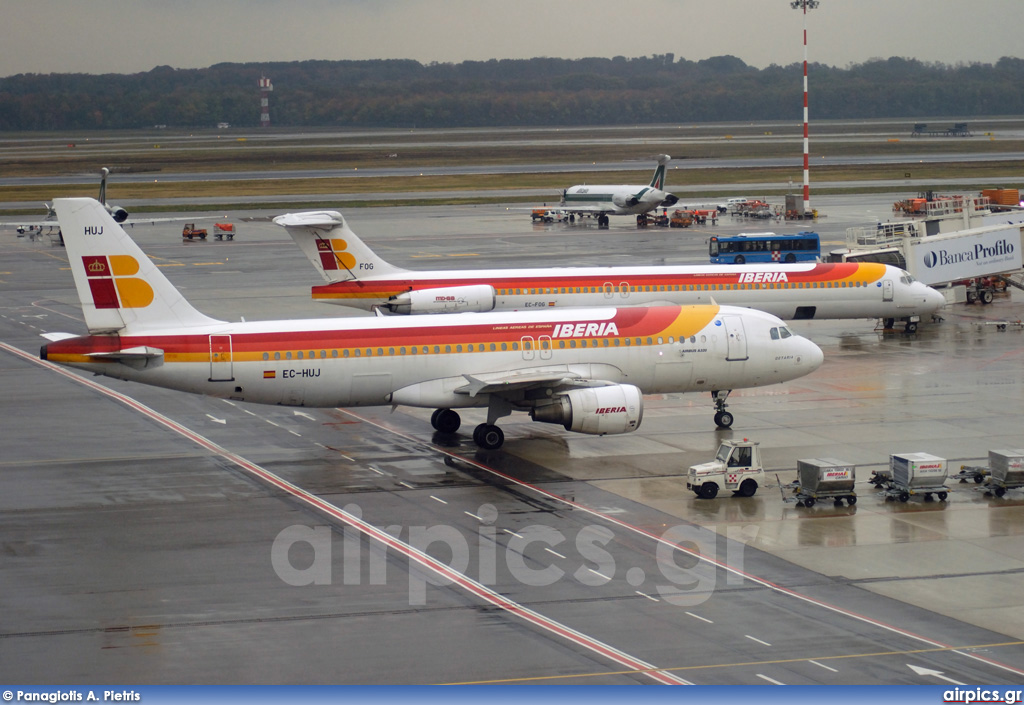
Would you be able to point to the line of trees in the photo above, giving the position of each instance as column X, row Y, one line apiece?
column 541, row 91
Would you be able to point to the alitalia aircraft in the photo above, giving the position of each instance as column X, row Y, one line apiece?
column 601, row 201
column 360, row 278
column 585, row 369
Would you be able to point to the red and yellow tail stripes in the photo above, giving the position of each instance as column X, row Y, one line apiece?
column 333, row 254
column 113, row 284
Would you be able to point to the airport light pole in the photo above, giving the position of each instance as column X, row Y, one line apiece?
column 806, row 5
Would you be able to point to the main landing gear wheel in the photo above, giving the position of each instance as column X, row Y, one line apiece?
column 911, row 327
column 445, row 420
column 488, row 437
column 602, row 221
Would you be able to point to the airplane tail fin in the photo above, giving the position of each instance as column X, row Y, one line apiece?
column 120, row 288
column 658, row 180
column 336, row 252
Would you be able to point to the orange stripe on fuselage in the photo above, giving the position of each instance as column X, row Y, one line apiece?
column 849, row 272
column 638, row 323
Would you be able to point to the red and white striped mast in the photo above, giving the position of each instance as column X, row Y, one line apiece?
column 805, row 5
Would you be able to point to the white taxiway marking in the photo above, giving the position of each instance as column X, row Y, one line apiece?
column 754, row 638
column 215, row 419
column 403, row 483
column 473, row 515
column 554, row 553
column 644, row 594
column 438, row 499
column 697, row 616
column 933, row 673
column 770, row 680
column 507, row 531
column 827, row 668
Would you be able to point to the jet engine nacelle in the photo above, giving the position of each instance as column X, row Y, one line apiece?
column 617, row 408
column 118, row 213
column 478, row 298
column 623, row 200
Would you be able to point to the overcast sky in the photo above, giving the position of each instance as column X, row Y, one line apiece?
column 129, row 36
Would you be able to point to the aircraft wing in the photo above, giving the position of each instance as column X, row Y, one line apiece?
column 23, row 225
column 591, row 208
column 514, row 382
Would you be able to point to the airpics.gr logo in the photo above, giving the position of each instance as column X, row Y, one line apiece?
column 333, row 255
column 977, row 253
column 113, row 284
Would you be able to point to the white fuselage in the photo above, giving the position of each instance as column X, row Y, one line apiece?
column 620, row 199
column 789, row 291
column 426, row 361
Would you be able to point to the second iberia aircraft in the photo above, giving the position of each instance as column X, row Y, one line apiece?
column 360, row 278
column 585, row 369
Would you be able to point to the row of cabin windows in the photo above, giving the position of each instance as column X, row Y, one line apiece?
column 677, row 287
column 479, row 347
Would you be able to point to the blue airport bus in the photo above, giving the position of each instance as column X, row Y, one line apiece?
column 765, row 247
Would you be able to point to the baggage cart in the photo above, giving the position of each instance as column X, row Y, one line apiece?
column 916, row 474
column 1006, row 471
column 824, row 478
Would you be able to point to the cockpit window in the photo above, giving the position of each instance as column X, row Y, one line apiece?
column 784, row 332
column 775, row 333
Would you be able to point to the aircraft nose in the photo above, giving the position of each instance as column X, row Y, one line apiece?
column 934, row 300
column 810, row 355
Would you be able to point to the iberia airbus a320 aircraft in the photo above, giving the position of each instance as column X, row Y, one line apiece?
column 360, row 278
column 585, row 369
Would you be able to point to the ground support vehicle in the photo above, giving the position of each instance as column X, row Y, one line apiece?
column 824, row 478
column 659, row 219
column 737, row 467
column 547, row 215
column 916, row 474
column 1006, row 471
column 681, row 219
column 223, row 230
column 190, row 231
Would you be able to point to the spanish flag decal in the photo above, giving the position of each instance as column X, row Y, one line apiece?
column 269, row 374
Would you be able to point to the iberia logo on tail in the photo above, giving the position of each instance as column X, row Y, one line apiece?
column 113, row 284
column 333, row 255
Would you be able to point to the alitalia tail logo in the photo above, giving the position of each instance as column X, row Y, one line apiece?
column 585, row 330
column 113, row 284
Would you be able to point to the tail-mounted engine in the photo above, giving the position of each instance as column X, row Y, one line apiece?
column 478, row 298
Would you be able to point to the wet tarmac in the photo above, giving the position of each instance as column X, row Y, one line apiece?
column 149, row 536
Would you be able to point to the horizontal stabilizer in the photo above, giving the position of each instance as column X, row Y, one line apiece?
column 55, row 337
column 142, row 352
